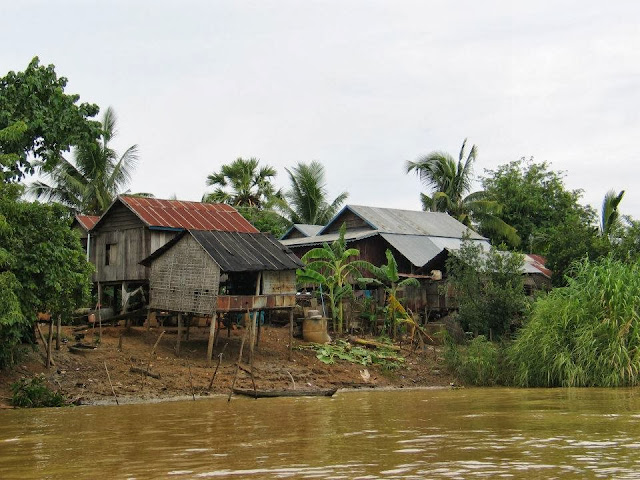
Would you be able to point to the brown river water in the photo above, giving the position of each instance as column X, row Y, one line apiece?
column 466, row 433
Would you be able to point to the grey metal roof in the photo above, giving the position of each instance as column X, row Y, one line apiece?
column 305, row 229
column 328, row 238
column 420, row 249
column 410, row 222
column 239, row 252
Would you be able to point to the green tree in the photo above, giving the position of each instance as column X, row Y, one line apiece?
column 307, row 197
column 451, row 182
column 43, row 269
column 332, row 267
column 96, row 176
column 39, row 121
column 387, row 276
column 534, row 201
column 610, row 220
column 488, row 287
column 242, row 183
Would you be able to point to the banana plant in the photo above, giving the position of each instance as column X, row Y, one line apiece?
column 387, row 276
column 333, row 267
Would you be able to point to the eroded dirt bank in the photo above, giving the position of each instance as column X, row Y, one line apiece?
column 83, row 378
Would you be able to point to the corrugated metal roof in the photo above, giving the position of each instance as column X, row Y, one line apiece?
column 410, row 222
column 420, row 249
column 305, row 229
column 239, row 252
column 87, row 221
column 328, row 238
column 178, row 214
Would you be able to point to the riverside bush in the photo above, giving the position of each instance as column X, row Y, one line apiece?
column 33, row 393
column 474, row 364
column 584, row 334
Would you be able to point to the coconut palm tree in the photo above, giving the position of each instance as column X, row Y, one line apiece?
column 95, row 176
column 307, row 198
column 451, row 182
column 610, row 217
column 242, row 183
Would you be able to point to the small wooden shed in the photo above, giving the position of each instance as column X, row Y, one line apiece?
column 207, row 272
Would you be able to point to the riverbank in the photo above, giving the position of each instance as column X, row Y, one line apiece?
column 83, row 378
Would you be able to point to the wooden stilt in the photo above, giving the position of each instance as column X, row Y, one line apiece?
column 193, row 394
column 49, row 343
column 58, row 328
column 291, row 334
column 99, row 314
column 212, row 336
column 179, row 334
column 258, row 335
column 188, row 327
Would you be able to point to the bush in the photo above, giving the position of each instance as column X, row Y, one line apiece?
column 584, row 334
column 34, row 393
column 475, row 364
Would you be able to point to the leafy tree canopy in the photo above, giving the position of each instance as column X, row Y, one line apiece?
column 42, row 266
column 534, row 201
column 38, row 120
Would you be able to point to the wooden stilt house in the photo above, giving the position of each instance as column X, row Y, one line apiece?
column 205, row 273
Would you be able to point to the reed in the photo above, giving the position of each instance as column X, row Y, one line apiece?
column 584, row 334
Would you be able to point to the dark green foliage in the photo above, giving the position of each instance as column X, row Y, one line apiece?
column 265, row 220
column 477, row 363
column 489, row 289
column 43, row 267
column 534, row 200
column 34, row 393
column 340, row 350
column 38, row 119
column 585, row 334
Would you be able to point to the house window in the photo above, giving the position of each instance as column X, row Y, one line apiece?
column 111, row 254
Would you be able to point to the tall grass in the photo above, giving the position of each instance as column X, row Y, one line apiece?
column 584, row 334
column 477, row 363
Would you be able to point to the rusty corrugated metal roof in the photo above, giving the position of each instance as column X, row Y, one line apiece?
column 188, row 215
column 87, row 221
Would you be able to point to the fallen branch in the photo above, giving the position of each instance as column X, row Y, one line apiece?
column 373, row 344
column 144, row 372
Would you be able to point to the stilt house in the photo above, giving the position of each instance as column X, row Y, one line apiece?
column 205, row 273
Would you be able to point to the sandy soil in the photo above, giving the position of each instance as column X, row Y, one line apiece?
column 83, row 378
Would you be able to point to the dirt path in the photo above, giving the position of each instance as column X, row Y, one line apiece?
column 83, row 377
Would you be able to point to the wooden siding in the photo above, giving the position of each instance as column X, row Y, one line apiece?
column 185, row 279
column 352, row 221
column 118, row 217
column 131, row 246
column 279, row 282
column 159, row 238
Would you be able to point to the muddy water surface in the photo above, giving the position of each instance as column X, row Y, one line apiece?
column 468, row 433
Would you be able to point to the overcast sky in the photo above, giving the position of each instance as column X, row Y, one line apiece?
column 361, row 86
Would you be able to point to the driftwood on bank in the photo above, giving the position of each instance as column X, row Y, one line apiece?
column 284, row 393
column 373, row 344
column 142, row 371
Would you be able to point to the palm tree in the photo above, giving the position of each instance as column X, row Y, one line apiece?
column 451, row 182
column 307, row 197
column 242, row 183
column 610, row 217
column 90, row 182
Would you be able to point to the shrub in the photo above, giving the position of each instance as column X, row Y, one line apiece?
column 33, row 393
column 474, row 364
column 584, row 334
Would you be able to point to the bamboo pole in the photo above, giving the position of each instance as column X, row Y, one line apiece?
column 58, row 328
column 109, row 378
column 49, row 359
column 217, row 366
column 179, row 334
column 291, row 334
column 155, row 345
column 235, row 376
column 193, row 394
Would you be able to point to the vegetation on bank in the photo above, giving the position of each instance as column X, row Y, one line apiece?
column 34, row 393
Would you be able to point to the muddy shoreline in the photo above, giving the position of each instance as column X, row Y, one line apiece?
column 83, row 379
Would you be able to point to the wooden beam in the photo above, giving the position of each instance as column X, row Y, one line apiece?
column 291, row 334
column 212, row 336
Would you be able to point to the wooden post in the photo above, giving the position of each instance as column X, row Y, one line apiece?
column 179, row 334
column 58, row 328
column 188, row 327
column 291, row 334
column 155, row 345
column 217, row 366
column 99, row 308
column 235, row 375
column 49, row 343
column 212, row 336
column 109, row 378
column 252, row 338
